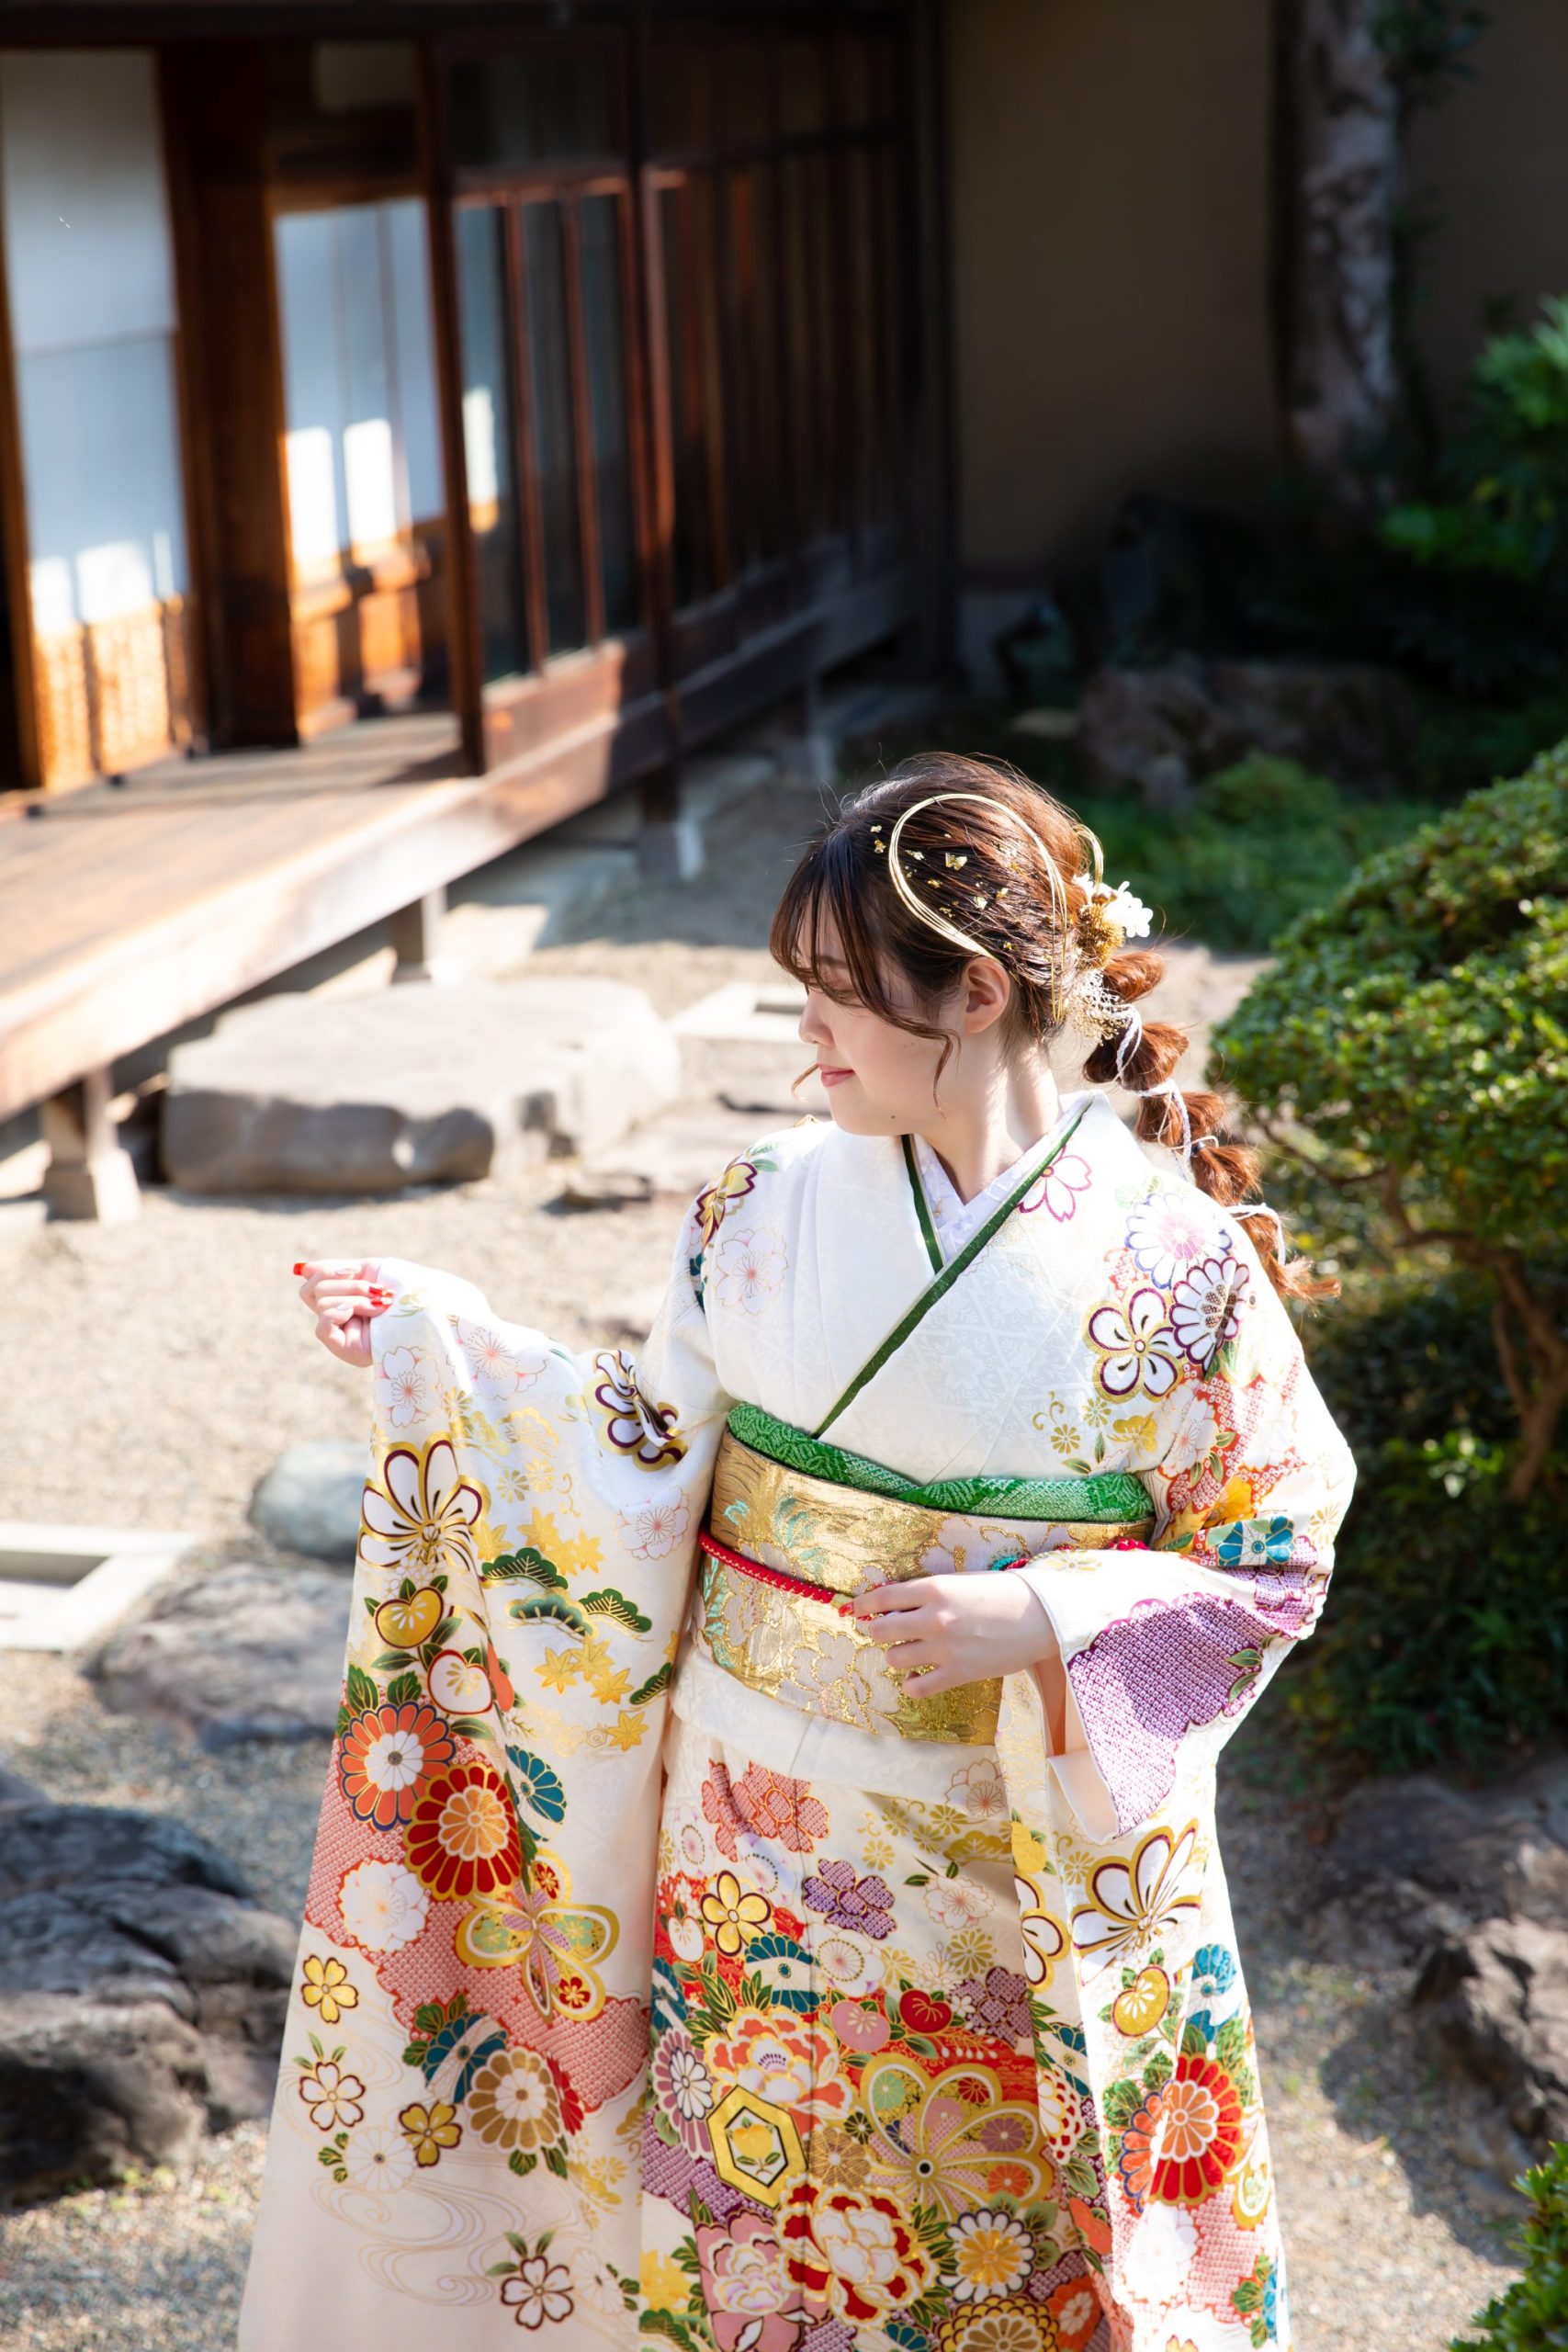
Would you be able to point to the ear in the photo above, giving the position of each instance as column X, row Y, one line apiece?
column 986, row 993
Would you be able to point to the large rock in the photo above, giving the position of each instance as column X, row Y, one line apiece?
column 1499, row 1997
column 416, row 1086
column 142, row 1993
column 246, row 1653
column 1164, row 729
column 1414, row 1862
column 308, row 1501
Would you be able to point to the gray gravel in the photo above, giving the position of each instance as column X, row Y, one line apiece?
column 155, row 1372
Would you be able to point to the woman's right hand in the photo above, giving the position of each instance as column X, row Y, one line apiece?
column 344, row 1295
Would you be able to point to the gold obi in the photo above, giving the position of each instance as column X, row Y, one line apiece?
column 780, row 1523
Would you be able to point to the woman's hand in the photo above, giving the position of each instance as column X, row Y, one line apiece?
column 344, row 1295
column 957, row 1629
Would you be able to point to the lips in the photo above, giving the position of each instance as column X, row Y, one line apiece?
column 831, row 1076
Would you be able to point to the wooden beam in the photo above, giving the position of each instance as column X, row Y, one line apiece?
column 465, row 662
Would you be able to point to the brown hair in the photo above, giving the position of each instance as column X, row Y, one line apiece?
column 984, row 867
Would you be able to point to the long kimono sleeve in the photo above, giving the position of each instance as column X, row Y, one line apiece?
column 468, row 2034
column 1165, row 1649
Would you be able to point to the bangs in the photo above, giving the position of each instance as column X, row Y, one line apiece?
column 824, row 935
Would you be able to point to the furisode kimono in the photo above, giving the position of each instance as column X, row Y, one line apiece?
column 668, row 1971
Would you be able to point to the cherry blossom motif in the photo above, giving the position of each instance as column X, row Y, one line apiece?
column 1167, row 1233
column 499, row 1372
column 749, row 1267
column 955, row 1903
column 1133, row 1346
column 979, row 1790
column 420, row 1517
column 1134, row 1903
column 1056, row 1190
column 1205, row 1307
column 655, row 1527
column 684, row 2088
column 384, row 1906
column 331, row 2096
column 405, row 1375
column 537, row 2290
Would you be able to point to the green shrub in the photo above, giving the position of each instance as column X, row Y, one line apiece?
column 1265, row 842
column 1532, row 2316
column 1447, row 1632
column 1416, row 1030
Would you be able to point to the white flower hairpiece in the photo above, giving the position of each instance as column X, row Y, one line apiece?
column 1125, row 909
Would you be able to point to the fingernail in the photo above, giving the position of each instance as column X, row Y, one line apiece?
column 300, row 1267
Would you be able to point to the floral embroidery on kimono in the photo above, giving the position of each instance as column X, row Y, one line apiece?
column 638, row 2002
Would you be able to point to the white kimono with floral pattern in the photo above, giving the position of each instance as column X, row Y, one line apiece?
column 949, row 2046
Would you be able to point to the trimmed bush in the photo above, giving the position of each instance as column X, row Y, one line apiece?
column 1532, row 2316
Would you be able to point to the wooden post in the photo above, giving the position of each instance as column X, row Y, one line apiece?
column 416, row 933
column 464, row 656
column 88, row 1175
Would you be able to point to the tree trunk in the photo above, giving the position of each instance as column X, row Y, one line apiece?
column 1340, row 136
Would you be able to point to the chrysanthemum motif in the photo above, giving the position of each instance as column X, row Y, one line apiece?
column 419, row 1518
column 1206, row 1307
column 991, row 2253
column 378, row 2160
column 1133, row 1346
column 513, row 2103
column 462, row 1835
column 632, row 1423
column 499, row 1372
column 386, row 1755
column 1167, row 1233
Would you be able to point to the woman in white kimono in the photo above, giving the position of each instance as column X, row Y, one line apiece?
column 739, row 1917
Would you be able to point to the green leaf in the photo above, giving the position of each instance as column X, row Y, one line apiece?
column 528, row 1564
column 548, row 1611
column 403, row 1688
column 1121, row 2102
column 362, row 1693
column 658, row 1681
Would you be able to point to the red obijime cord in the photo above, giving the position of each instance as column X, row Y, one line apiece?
column 830, row 1595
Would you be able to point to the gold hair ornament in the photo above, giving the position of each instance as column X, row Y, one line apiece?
column 935, row 920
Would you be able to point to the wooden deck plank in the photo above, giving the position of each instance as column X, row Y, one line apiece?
column 201, row 936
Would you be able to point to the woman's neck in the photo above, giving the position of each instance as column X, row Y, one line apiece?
column 977, row 1142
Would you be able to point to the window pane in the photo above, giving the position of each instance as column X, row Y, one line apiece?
column 603, row 319
column 555, row 455
column 488, row 442
column 540, row 105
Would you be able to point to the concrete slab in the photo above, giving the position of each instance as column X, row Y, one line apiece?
column 62, row 1585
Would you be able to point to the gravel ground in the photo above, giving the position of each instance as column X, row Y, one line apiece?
column 153, row 1372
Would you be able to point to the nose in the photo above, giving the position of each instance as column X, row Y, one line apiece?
column 813, row 1029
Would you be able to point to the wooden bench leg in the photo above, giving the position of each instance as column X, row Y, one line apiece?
column 88, row 1175
column 670, row 843
column 809, row 756
column 416, row 933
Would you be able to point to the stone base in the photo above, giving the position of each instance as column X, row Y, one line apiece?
column 670, row 849
column 103, row 1189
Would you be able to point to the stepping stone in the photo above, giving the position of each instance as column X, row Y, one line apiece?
column 246, row 1653
column 308, row 1501
column 142, row 1993
column 421, row 1085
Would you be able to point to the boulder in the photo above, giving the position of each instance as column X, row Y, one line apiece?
column 1164, row 729
column 1414, row 1862
column 142, row 1993
column 418, row 1085
column 1499, row 1998
column 308, row 1501
column 244, row 1653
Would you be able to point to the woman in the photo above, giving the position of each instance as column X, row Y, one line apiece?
column 907, row 1868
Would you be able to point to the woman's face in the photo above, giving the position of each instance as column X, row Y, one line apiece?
column 880, row 1079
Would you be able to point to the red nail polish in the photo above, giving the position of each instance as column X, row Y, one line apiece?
column 300, row 1267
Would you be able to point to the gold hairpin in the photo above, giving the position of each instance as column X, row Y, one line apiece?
column 936, row 922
